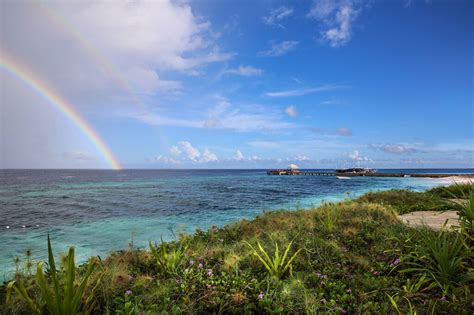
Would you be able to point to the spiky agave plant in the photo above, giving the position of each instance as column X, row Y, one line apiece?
column 277, row 265
column 168, row 260
column 441, row 257
column 60, row 297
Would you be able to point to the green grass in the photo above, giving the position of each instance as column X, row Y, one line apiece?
column 405, row 201
column 351, row 256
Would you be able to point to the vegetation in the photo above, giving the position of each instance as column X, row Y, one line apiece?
column 60, row 295
column 351, row 257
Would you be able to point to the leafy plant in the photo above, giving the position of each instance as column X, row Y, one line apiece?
column 394, row 302
column 464, row 204
column 168, row 260
column 277, row 265
column 62, row 297
column 441, row 257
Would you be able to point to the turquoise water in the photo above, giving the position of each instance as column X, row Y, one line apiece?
column 99, row 211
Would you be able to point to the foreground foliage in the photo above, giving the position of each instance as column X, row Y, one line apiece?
column 59, row 297
column 349, row 257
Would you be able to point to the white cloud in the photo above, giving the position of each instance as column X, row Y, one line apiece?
column 223, row 115
column 277, row 15
column 104, row 48
column 291, row 111
column 191, row 155
column 245, row 71
column 356, row 156
column 175, row 151
column 304, row 91
column 191, row 152
column 336, row 18
column 239, row 156
column 279, row 49
column 208, row 156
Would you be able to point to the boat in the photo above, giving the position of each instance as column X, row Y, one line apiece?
column 343, row 177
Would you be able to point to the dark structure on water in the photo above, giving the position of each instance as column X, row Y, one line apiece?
column 353, row 172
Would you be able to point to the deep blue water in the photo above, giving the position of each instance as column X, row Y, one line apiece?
column 101, row 210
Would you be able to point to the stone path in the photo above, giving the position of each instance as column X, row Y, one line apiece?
column 433, row 219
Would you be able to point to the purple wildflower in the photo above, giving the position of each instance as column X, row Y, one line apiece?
column 200, row 258
column 349, row 290
column 443, row 298
column 395, row 262
column 318, row 274
column 209, row 272
column 200, row 265
column 260, row 296
column 128, row 292
column 323, row 300
column 376, row 273
column 130, row 278
column 191, row 262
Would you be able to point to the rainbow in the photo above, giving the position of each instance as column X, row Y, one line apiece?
column 62, row 105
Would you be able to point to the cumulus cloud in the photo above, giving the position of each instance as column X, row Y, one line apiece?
column 208, row 156
column 239, row 156
column 185, row 152
column 336, row 19
column 356, row 156
column 102, row 57
column 246, row 71
column 279, row 49
column 191, row 152
column 103, row 47
column 277, row 15
column 291, row 111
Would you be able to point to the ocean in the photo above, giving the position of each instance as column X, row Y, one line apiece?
column 102, row 210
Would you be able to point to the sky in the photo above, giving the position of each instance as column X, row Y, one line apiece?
column 240, row 84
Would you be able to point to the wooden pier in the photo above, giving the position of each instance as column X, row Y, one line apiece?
column 376, row 174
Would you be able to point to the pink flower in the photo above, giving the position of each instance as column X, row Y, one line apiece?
column 395, row 262
column 191, row 262
column 128, row 292
column 443, row 298
column 349, row 290
column 209, row 272
column 323, row 300
column 260, row 296
column 200, row 265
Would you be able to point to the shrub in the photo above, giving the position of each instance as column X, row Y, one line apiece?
column 277, row 265
column 62, row 297
column 168, row 260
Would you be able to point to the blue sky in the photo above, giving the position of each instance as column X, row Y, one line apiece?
column 247, row 84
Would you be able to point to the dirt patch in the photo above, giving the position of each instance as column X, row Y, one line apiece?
column 432, row 219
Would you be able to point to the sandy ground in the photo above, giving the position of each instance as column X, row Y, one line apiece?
column 455, row 180
column 433, row 219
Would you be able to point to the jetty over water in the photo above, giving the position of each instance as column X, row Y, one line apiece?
column 292, row 172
